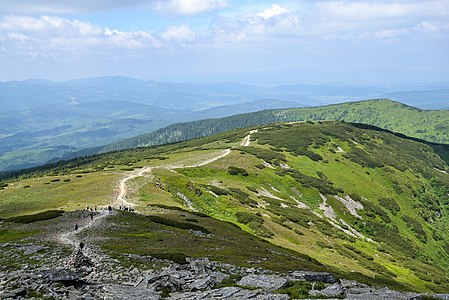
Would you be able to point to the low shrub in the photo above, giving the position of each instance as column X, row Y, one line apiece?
column 237, row 171
column 176, row 224
column 176, row 257
column 45, row 215
column 246, row 217
column 390, row 204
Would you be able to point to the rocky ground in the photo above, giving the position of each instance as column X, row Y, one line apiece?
column 55, row 267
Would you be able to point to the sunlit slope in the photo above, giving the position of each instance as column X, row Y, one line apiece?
column 358, row 200
column 367, row 204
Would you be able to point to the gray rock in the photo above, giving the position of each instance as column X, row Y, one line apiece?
column 380, row 294
column 32, row 249
column 21, row 292
column 119, row 292
column 312, row 276
column 266, row 282
column 346, row 284
column 65, row 275
column 199, row 266
column 79, row 260
column 225, row 293
column 334, row 290
column 439, row 296
column 202, row 283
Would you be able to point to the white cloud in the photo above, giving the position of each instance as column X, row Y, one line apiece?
column 18, row 37
column 130, row 39
column 274, row 11
column 48, row 35
column 181, row 33
column 380, row 19
column 276, row 20
column 189, row 7
column 49, row 25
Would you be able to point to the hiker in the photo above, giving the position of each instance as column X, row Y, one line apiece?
column 81, row 245
column 76, row 226
column 109, row 209
column 91, row 216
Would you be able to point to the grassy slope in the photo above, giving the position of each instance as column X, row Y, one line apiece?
column 398, row 253
column 403, row 253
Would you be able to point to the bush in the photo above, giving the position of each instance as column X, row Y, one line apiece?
column 265, row 154
column 176, row 257
column 216, row 190
column 246, row 217
column 176, row 224
column 390, row 204
column 236, row 171
column 372, row 210
column 45, row 215
column 323, row 185
column 416, row 227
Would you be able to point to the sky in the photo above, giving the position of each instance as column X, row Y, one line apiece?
column 266, row 42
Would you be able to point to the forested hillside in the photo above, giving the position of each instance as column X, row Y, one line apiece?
column 431, row 126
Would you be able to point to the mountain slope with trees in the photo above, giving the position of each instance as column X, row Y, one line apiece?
column 432, row 126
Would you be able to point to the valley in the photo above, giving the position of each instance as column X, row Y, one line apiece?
column 43, row 121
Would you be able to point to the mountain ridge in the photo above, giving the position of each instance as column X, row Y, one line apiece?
column 384, row 108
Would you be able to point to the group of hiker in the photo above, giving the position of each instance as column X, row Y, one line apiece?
column 126, row 208
column 91, row 212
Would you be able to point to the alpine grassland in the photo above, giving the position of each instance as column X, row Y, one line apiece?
column 356, row 200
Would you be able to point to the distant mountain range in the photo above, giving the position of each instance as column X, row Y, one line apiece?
column 42, row 120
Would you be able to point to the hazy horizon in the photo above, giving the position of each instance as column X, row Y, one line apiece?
column 265, row 42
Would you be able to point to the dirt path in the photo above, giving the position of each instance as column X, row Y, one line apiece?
column 123, row 191
column 70, row 237
column 247, row 140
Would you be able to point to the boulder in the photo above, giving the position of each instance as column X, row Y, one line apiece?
column 21, row 292
column 265, row 282
column 199, row 266
column 79, row 260
column 380, row 294
column 234, row 293
column 334, row 290
column 312, row 276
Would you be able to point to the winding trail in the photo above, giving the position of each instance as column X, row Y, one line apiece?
column 247, row 140
column 69, row 237
column 122, row 185
column 123, row 190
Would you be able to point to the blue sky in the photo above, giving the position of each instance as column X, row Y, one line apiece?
column 214, row 40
